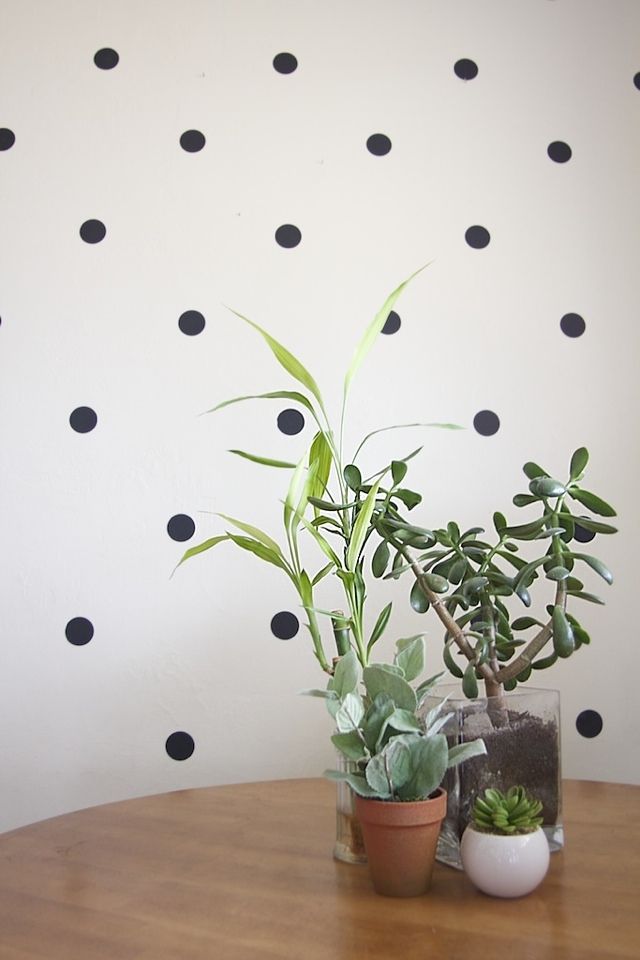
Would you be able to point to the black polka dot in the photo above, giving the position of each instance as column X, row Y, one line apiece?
column 465, row 69
column 288, row 235
column 285, row 625
column 7, row 138
column 392, row 323
column 477, row 237
column 559, row 151
column 378, row 144
column 572, row 325
column 589, row 723
column 83, row 419
column 181, row 527
column 180, row 745
column 106, row 59
column 191, row 322
column 93, row 231
column 79, row 631
column 290, row 422
column 192, row 141
column 582, row 535
column 285, row 63
column 486, row 422
column 636, row 81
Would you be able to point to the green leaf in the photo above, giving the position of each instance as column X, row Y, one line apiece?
column 254, row 532
column 403, row 426
column 321, row 574
column 273, row 395
column 353, row 477
column 286, row 359
column 408, row 497
column 380, row 559
column 418, row 599
column 523, row 623
column 470, row 682
column 410, row 657
column 595, row 564
column 532, row 470
column 324, row 545
column 329, row 505
column 465, row 751
column 205, row 545
column 374, row 329
column 547, row 487
column 265, row 461
column 398, row 471
column 380, row 626
column 360, row 527
column 579, row 461
column 581, row 595
column 557, row 573
column 404, row 721
column 377, row 680
column 428, row 757
column 375, row 719
column 524, row 499
column 563, row 639
column 545, row 662
column 499, row 522
column 293, row 493
column 350, row 713
column 450, row 663
column 525, row 531
column 436, row 583
column 356, row 781
column 596, row 526
column 346, row 675
column 592, row 502
column 320, row 453
column 259, row 549
column 350, row 745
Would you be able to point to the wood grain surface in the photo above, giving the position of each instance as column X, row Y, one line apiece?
column 246, row 871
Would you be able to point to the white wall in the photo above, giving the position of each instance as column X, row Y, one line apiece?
column 84, row 515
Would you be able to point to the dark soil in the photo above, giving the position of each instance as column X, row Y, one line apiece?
column 522, row 749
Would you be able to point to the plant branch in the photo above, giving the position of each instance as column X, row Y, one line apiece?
column 533, row 648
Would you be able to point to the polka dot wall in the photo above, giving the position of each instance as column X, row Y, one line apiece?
column 293, row 161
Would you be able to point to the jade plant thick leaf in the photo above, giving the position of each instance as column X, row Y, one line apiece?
column 397, row 752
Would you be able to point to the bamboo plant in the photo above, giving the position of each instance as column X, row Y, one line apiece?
column 328, row 500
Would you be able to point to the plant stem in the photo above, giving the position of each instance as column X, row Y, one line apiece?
column 533, row 648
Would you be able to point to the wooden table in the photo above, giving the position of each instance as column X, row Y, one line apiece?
column 246, row 872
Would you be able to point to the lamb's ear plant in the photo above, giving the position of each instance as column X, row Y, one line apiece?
column 398, row 753
column 506, row 814
column 468, row 579
column 328, row 500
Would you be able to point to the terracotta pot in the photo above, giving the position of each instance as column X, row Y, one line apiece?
column 400, row 840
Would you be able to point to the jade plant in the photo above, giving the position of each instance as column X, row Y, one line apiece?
column 396, row 750
column 467, row 579
column 328, row 500
column 506, row 814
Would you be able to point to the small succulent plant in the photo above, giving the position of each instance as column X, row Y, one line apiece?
column 508, row 813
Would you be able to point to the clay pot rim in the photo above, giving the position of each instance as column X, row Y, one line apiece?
column 403, row 812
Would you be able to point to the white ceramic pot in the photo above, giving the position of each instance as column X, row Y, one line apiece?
column 505, row 866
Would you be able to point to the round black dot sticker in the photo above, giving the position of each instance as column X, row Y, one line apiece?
column 288, row 235
column 93, row 231
column 192, row 141
column 106, row 59
column 572, row 325
column 589, row 723
column 378, row 144
column 191, row 323
column 477, row 237
column 180, row 745
column 285, row 63
column 465, row 69
column 83, row 419
column 636, row 81
column 581, row 534
column 181, row 527
column 285, row 625
column 7, row 138
column 559, row 152
column 290, row 422
column 391, row 324
column 486, row 423
column 79, row 631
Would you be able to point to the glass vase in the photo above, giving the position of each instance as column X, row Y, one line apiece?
column 521, row 731
column 349, row 845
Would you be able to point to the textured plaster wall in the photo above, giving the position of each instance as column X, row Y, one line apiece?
column 117, row 230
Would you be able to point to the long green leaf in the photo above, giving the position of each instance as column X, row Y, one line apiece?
column 293, row 493
column 374, row 329
column 402, row 426
column 320, row 452
column 266, row 461
column 360, row 527
column 286, row 359
column 293, row 395
column 592, row 502
column 206, row 545
column 254, row 532
column 379, row 627
column 321, row 541
column 259, row 549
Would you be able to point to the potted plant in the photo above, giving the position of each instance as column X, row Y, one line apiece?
column 328, row 501
column 504, row 850
column 400, row 757
column 468, row 580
